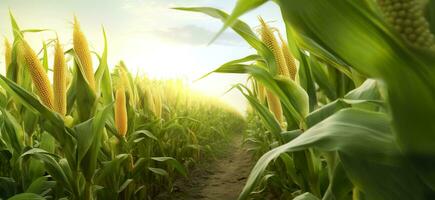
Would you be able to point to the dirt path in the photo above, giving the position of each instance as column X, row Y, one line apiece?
column 222, row 179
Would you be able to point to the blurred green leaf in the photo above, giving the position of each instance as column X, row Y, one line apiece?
column 158, row 171
column 27, row 196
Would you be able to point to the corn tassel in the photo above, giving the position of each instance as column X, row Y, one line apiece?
column 84, row 55
column 120, row 112
column 38, row 74
column 59, row 80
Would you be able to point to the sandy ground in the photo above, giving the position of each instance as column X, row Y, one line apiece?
column 221, row 179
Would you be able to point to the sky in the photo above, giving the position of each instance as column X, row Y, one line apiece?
column 149, row 36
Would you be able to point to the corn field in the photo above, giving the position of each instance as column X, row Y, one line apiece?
column 341, row 106
column 102, row 135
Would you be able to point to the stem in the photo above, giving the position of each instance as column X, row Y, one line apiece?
column 88, row 191
column 355, row 193
column 76, row 185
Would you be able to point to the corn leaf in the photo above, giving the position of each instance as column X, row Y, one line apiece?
column 173, row 163
column 27, row 196
column 51, row 165
column 347, row 132
column 89, row 134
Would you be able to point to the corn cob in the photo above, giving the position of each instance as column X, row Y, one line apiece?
column 270, row 41
column 8, row 54
column 289, row 58
column 59, row 80
column 261, row 92
column 120, row 112
column 84, row 55
column 407, row 17
column 38, row 74
column 275, row 106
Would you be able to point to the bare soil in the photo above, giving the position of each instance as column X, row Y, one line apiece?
column 222, row 178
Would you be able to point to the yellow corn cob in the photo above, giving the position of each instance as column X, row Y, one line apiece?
column 38, row 74
column 59, row 80
column 120, row 112
column 270, row 41
column 407, row 17
column 8, row 54
column 289, row 58
column 82, row 50
column 275, row 106
column 261, row 92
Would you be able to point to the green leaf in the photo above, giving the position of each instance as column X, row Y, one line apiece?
column 322, row 77
column 306, row 196
column 306, row 80
column 107, row 175
column 89, row 136
column 40, row 185
column 297, row 97
column 8, row 187
column 85, row 96
column 13, row 132
column 34, row 30
column 102, row 75
column 242, row 6
column 348, row 132
column 51, row 165
column 48, row 142
column 340, row 187
column 366, row 96
column 142, row 134
column 124, row 185
column 45, row 57
column 369, row 90
column 158, row 171
column 173, row 163
column 27, row 196
column 15, row 29
column 235, row 66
